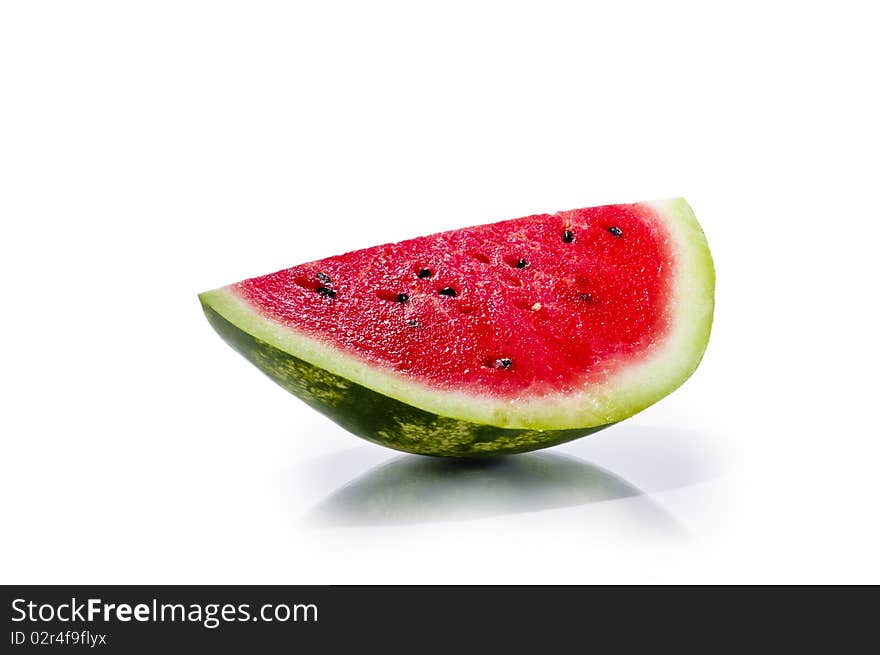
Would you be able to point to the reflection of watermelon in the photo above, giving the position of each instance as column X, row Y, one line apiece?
column 495, row 339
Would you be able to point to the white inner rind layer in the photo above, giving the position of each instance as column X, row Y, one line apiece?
column 630, row 388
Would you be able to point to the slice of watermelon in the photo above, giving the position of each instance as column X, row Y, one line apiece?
column 501, row 338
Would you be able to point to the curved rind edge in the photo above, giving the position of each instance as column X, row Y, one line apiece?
column 378, row 418
column 622, row 395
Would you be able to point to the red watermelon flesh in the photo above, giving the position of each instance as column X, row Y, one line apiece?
column 542, row 303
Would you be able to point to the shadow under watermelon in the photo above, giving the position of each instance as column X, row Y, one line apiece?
column 411, row 489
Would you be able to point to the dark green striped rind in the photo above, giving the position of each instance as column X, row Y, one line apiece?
column 378, row 418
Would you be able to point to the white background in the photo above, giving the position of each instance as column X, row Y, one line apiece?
column 149, row 151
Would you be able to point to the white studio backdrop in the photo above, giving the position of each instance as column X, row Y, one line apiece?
column 149, row 151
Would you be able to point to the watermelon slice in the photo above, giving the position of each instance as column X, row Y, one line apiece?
column 501, row 338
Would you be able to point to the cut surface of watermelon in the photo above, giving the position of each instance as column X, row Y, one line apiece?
column 497, row 338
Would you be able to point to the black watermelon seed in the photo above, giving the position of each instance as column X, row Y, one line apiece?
column 327, row 292
column 522, row 263
column 323, row 278
column 568, row 236
column 413, row 322
column 504, row 362
column 402, row 297
column 586, row 297
column 425, row 273
column 448, row 291
column 616, row 232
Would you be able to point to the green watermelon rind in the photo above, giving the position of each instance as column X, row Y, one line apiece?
column 419, row 418
column 378, row 418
